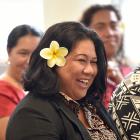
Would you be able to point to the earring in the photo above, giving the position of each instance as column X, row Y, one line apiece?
column 8, row 62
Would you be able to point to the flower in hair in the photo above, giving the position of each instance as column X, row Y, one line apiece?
column 55, row 54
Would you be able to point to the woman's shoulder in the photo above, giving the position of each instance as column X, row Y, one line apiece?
column 8, row 90
column 36, row 104
column 130, row 86
column 132, row 80
column 9, row 97
column 6, row 84
column 39, row 114
column 124, row 106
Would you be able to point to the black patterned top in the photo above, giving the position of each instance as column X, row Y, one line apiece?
column 98, row 129
column 125, row 106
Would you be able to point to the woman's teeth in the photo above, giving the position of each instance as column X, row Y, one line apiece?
column 84, row 81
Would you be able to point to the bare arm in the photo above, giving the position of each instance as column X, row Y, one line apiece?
column 3, row 126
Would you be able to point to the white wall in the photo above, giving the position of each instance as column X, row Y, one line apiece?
column 44, row 13
column 39, row 13
column 130, row 11
column 15, row 12
column 65, row 10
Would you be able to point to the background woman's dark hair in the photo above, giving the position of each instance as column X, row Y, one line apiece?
column 42, row 80
column 91, row 11
column 20, row 31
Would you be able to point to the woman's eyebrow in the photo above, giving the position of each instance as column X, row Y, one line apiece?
column 93, row 58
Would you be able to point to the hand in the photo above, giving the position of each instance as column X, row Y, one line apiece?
column 114, row 75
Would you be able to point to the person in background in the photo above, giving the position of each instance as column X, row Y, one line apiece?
column 125, row 106
column 65, row 78
column 106, row 21
column 22, row 41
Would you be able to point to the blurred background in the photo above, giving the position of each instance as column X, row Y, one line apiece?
column 44, row 13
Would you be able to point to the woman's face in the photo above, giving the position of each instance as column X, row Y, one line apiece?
column 19, row 55
column 106, row 24
column 79, row 71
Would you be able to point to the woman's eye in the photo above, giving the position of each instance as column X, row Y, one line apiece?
column 82, row 60
column 93, row 62
column 24, row 54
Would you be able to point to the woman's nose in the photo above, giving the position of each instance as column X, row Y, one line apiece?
column 109, row 31
column 89, row 69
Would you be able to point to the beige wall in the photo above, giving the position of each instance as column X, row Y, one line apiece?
column 65, row 10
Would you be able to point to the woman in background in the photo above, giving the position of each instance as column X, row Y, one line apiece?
column 65, row 79
column 22, row 41
column 106, row 21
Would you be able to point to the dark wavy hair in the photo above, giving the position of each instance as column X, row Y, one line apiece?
column 42, row 80
column 92, row 10
column 20, row 31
